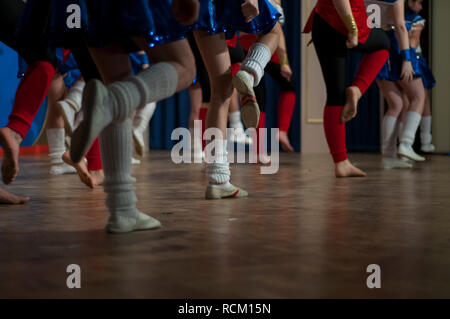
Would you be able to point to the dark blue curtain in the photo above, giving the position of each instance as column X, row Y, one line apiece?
column 363, row 132
column 174, row 112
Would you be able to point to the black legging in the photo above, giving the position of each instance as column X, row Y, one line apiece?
column 332, row 52
column 30, row 45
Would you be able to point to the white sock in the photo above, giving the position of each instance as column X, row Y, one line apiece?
column 256, row 60
column 235, row 119
column 75, row 95
column 425, row 130
column 56, row 144
column 143, row 116
column 196, row 143
column 116, row 145
column 226, row 185
column 153, row 84
column 389, row 144
column 219, row 171
column 411, row 124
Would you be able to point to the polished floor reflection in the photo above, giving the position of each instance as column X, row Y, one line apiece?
column 301, row 233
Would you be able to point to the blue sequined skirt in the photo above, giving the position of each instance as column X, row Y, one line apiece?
column 428, row 79
column 217, row 16
column 392, row 70
column 103, row 22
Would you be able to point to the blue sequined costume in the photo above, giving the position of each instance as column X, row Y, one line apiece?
column 413, row 19
column 392, row 70
column 103, row 22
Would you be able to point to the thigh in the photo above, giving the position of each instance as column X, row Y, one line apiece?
column 378, row 40
column 392, row 93
column 414, row 89
column 216, row 57
column 112, row 62
column 84, row 60
column 332, row 53
column 177, row 53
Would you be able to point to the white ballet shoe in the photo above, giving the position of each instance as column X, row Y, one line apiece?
column 121, row 224
column 243, row 83
column 428, row 148
column 405, row 150
column 61, row 169
column 218, row 192
column 396, row 163
column 97, row 115
column 238, row 135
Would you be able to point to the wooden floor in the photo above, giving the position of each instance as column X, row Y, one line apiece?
column 301, row 233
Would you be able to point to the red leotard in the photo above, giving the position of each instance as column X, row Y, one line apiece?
column 327, row 11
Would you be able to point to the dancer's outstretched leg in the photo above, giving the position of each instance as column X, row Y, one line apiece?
column 105, row 104
column 252, row 70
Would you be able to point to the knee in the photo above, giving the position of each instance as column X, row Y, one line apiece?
column 189, row 71
column 418, row 99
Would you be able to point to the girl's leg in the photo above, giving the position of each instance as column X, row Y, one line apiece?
column 286, row 103
column 332, row 54
column 172, row 70
column 91, row 174
column 390, row 125
column 252, row 70
column 415, row 92
column 217, row 60
column 425, row 126
column 116, row 147
column 376, row 50
column 55, row 128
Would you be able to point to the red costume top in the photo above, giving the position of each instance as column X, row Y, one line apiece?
column 327, row 11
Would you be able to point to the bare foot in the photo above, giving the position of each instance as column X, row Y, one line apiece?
column 97, row 177
column 81, row 168
column 346, row 169
column 6, row 198
column 352, row 94
column 285, row 143
column 10, row 141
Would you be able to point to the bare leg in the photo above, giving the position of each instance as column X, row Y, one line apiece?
column 10, row 142
column 217, row 61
